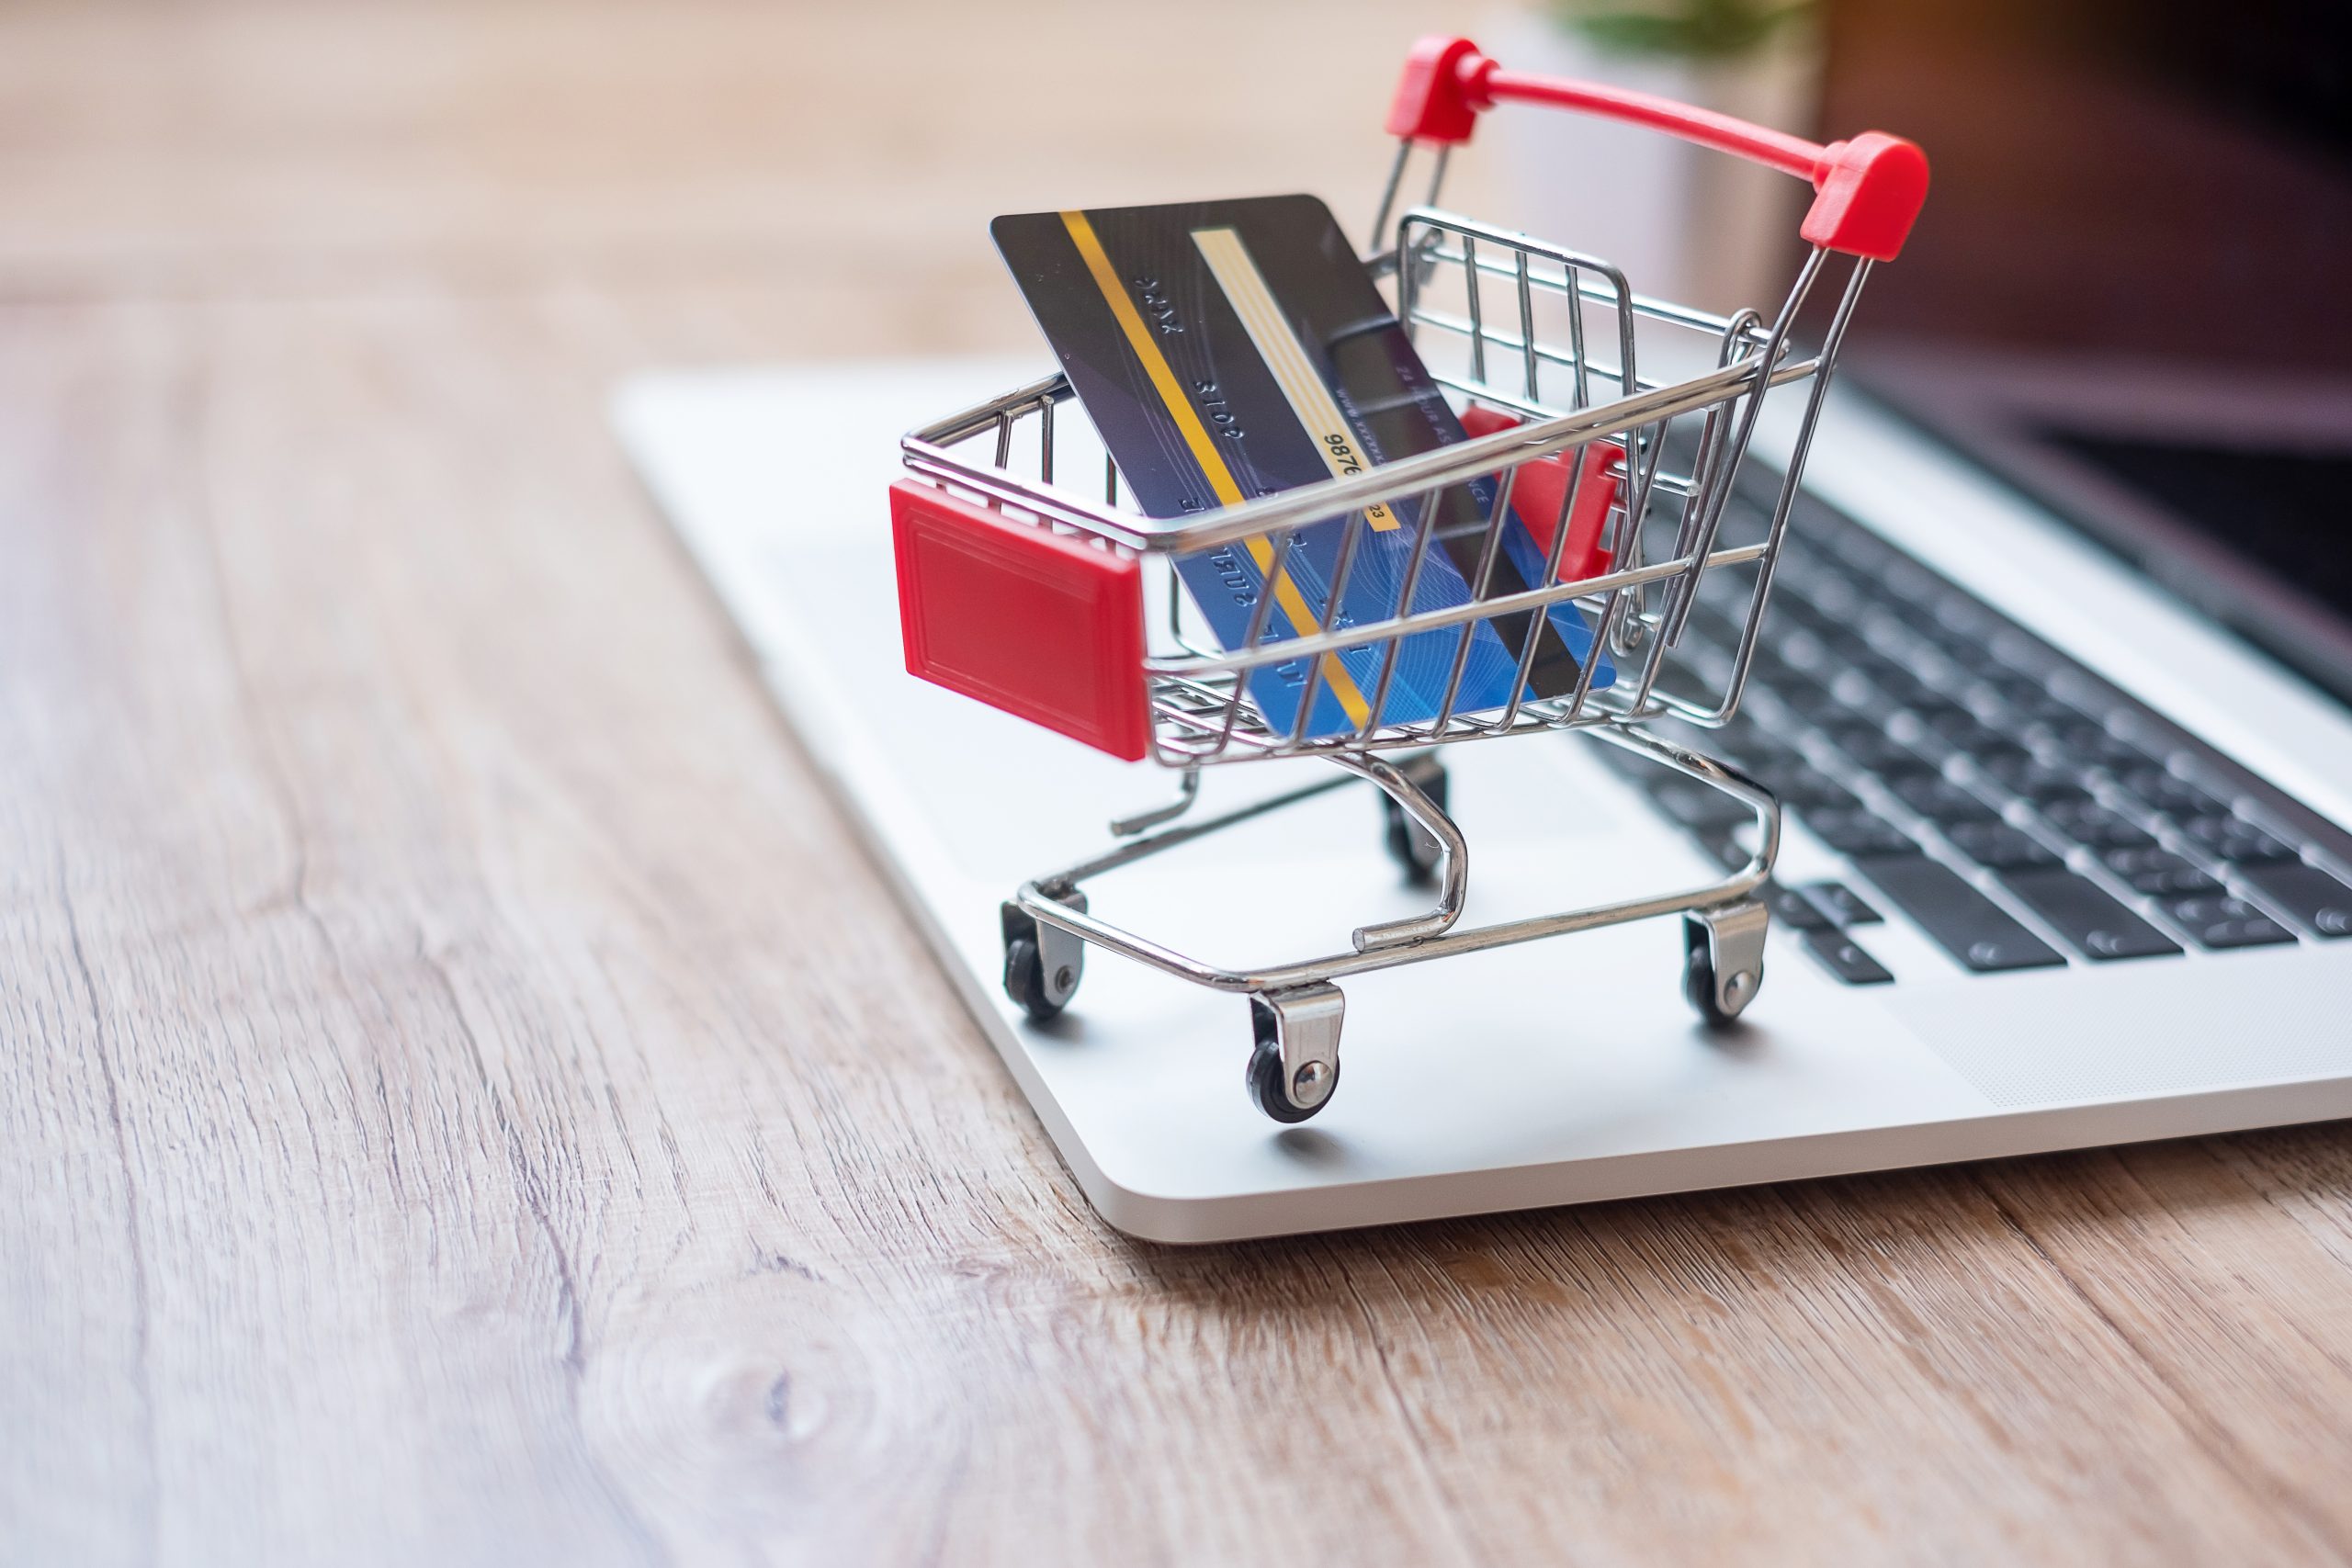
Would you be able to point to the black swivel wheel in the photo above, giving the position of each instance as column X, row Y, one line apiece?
column 1265, row 1081
column 1699, row 979
column 1319, row 1078
column 1024, row 980
column 1042, row 993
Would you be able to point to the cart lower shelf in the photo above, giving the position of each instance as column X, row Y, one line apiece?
column 1296, row 1010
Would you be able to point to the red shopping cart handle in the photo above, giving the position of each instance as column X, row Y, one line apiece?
column 1868, row 190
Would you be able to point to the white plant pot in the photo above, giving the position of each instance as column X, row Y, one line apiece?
column 1682, row 222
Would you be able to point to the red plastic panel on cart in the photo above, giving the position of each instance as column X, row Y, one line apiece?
column 1541, row 489
column 1023, row 619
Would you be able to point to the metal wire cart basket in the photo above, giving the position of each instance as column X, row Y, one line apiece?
column 1030, row 596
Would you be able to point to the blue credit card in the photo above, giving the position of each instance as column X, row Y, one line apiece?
column 1226, row 350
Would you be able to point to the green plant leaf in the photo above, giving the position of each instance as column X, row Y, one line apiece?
column 1689, row 29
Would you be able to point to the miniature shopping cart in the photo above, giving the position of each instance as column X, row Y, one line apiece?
column 1030, row 596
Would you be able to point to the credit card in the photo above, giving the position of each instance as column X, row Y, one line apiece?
column 1226, row 350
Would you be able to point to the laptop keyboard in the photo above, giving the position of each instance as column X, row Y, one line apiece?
column 2020, row 811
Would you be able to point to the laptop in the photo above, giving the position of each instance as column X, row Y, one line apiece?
column 2055, row 688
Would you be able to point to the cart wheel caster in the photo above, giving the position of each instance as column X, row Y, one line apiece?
column 1042, row 963
column 1291, row 1086
column 1723, row 961
column 1412, row 848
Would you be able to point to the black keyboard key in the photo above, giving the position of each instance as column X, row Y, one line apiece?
column 1882, row 686
column 1851, row 543
column 1700, row 808
column 1861, row 655
column 2043, row 709
column 1945, row 661
column 1765, row 762
column 1797, row 646
column 2221, row 922
column 1849, row 649
column 1875, row 751
column 1727, row 592
column 2085, row 745
column 1908, row 579
column 1802, row 630
column 1711, row 664
column 2313, row 897
column 1792, row 909
column 1949, row 727
column 2093, row 923
column 1999, row 847
column 2018, row 693
column 2038, row 782
column 1801, row 603
column 2168, row 792
column 1795, row 581
column 1984, row 743
column 1631, row 766
column 1998, row 698
column 1742, row 736
column 1886, row 630
column 1931, row 712
column 1836, row 599
column 1725, row 850
column 1939, row 800
column 1853, row 688
column 1858, row 831
column 1808, row 699
column 1971, row 927
column 1798, row 579
column 1969, row 621
column 2158, row 873
column 2028, row 655
column 1941, row 677
column 1841, row 904
column 2235, row 840
column 1710, row 625
column 2088, row 823
column 1804, row 787
column 2100, row 703
column 1838, row 954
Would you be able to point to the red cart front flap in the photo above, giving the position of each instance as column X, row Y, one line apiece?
column 1042, row 626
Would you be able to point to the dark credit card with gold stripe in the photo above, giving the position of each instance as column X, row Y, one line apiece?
column 1229, row 349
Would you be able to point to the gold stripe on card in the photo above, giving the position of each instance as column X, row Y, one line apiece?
column 1204, row 448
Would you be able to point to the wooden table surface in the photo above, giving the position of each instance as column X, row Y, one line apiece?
column 467, row 1100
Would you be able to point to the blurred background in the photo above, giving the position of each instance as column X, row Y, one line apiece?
column 2107, row 170
column 2131, row 197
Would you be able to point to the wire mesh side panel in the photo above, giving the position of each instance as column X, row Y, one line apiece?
column 1520, row 324
column 1420, row 618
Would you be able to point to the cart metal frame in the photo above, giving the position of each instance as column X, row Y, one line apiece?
column 1562, row 358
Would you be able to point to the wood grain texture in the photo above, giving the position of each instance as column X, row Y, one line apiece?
column 466, row 1099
